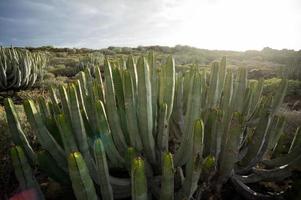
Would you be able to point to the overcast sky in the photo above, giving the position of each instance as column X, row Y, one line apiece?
column 211, row 24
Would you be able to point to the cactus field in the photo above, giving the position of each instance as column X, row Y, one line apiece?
column 148, row 123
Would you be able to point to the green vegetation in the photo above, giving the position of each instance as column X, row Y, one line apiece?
column 19, row 69
column 152, row 133
column 91, row 61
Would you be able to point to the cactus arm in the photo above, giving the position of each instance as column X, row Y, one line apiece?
column 105, row 134
column 23, row 171
column 247, row 100
column 91, row 115
column 258, row 143
column 257, row 175
column 54, row 98
column 83, row 82
column 139, row 183
column 102, row 170
column 43, row 106
column 208, row 166
column 131, row 67
column 198, row 138
column 121, row 62
column 292, row 157
column 163, row 135
column 111, row 109
column 45, row 138
column 3, row 79
column 187, row 78
column 229, row 155
column 90, row 133
column 240, row 85
column 130, row 111
column 48, row 165
column 81, row 97
column 197, row 146
column 167, row 180
column 213, row 86
column 48, row 120
column 100, row 84
column 16, row 130
column 65, row 102
column 177, row 119
column 155, row 87
column 183, row 154
column 82, row 183
column 66, row 134
column 277, row 101
column 247, row 192
column 276, row 133
column 118, row 88
column 211, row 130
column 222, row 75
column 167, row 85
column 281, row 146
column 227, row 91
column 131, row 154
column 79, row 131
column 296, row 143
column 257, row 92
column 194, row 165
column 144, row 109
column 191, row 181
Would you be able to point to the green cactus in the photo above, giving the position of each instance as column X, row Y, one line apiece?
column 171, row 136
column 91, row 61
column 17, row 133
column 82, row 183
column 144, row 109
column 130, row 111
column 167, row 182
column 19, row 69
column 139, row 183
column 102, row 170
column 24, row 172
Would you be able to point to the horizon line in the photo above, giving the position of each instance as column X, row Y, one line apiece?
column 169, row 46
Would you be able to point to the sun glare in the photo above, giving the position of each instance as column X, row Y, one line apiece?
column 234, row 24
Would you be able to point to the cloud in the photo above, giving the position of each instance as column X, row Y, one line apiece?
column 102, row 23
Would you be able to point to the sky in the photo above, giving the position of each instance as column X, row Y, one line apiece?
column 209, row 24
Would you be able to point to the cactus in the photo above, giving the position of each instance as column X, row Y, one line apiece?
column 82, row 183
column 19, row 69
column 102, row 170
column 91, row 61
column 17, row 133
column 167, row 182
column 139, row 183
column 24, row 172
column 152, row 125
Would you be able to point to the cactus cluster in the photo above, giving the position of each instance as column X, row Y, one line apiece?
column 91, row 61
column 19, row 69
column 171, row 136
